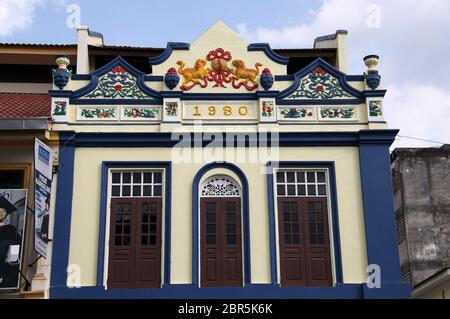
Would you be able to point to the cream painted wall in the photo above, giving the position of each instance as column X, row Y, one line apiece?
column 86, row 205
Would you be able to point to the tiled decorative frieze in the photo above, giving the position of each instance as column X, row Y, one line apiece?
column 297, row 113
column 59, row 109
column 267, row 110
column 100, row 113
column 375, row 109
column 141, row 113
column 337, row 113
column 171, row 110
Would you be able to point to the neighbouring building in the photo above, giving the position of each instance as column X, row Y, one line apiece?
column 25, row 78
column 221, row 164
column 421, row 179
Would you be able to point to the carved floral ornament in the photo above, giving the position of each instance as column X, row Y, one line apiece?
column 218, row 72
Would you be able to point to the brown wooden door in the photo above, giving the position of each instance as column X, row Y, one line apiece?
column 317, row 241
column 135, row 243
column 221, row 242
column 304, row 242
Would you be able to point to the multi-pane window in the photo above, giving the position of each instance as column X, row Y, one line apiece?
column 301, row 183
column 149, row 223
column 231, row 222
column 123, row 224
column 136, row 184
column 316, row 223
column 291, row 221
column 211, row 222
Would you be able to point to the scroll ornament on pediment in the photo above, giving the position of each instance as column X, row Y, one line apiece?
column 118, row 83
column 214, row 69
column 319, row 84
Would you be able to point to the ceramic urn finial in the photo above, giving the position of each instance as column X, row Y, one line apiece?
column 61, row 75
column 372, row 76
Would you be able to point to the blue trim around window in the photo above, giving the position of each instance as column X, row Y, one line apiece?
column 245, row 219
column 106, row 166
column 334, row 213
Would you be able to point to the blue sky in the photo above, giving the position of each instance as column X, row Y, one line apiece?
column 409, row 35
column 154, row 23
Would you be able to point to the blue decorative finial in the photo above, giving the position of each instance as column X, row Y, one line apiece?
column 372, row 76
column 266, row 79
column 171, row 78
column 61, row 75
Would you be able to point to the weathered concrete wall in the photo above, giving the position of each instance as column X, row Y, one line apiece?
column 423, row 197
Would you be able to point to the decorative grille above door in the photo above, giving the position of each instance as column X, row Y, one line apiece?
column 220, row 186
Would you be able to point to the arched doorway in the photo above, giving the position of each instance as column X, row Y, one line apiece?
column 220, row 232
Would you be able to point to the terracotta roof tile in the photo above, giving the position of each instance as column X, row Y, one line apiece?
column 24, row 105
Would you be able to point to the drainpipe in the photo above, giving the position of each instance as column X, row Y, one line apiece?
column 85, row 39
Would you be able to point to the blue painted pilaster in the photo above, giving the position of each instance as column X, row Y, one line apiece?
column 378, row 202
column 63, row 211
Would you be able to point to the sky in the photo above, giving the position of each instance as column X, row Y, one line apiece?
column 410, row 36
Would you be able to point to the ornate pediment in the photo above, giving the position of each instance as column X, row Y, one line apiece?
column 319, row 81
column 116, row 80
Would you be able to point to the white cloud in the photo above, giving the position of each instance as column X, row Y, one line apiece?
column 419, row 111
column 413, row 47
column 16, row 15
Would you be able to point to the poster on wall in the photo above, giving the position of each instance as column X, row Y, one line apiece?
column 43, row 164
column 13, row 204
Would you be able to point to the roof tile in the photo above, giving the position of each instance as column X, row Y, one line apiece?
column 24, row 105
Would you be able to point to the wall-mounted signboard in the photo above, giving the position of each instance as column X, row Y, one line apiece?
column 43, row 164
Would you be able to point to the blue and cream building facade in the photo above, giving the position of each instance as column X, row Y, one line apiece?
column 221, row 175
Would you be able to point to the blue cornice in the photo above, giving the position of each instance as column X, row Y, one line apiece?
column 377, row 93
column 81, row 77
column 327, row 67
column 219, row 96
column 348, row 78
column 265, row 47
column 154, row 78
column 321, row 102
column 260, row 94
column 60, row 93
column 287, row 77
column 118, row 61
column 354, row 78
column 168, row 51
column 381, row 136
column 116, row 101
column 171, row 94
column 284, row 139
